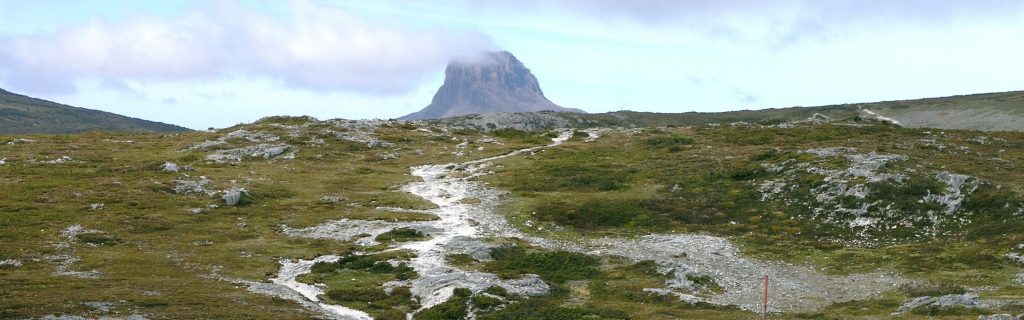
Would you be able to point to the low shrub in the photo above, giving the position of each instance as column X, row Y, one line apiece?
column 401, row 235
column 554, row 266
column 97, row 239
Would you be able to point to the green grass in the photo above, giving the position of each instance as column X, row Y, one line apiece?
column 164, row 261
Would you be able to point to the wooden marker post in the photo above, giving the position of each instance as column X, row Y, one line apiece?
column 764, row 310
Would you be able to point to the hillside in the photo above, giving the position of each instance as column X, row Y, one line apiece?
column 986, row 112
column 850, row 218
column 23, row 114
column 990, row 112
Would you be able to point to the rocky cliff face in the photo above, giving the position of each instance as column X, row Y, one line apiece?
column 493, row 82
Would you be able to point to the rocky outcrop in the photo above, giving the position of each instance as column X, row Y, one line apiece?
column 492, row 82
column 536, row 121
column 190, row 187
column 966, row 300
column 261, row 151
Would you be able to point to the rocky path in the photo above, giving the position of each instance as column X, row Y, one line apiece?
column 462, row 225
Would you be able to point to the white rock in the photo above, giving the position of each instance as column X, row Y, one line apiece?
column 60, row 160
column 170, row 167
column 233, row 196
column 192, row 187
column 10, row 262
column 20, row 141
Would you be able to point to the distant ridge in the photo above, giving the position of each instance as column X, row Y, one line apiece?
column 1001, row 111
column 22, row 114
column 494, row 82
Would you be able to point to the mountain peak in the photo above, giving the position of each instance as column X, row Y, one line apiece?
column 490, row 82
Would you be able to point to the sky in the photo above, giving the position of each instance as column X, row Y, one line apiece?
column 218, row 63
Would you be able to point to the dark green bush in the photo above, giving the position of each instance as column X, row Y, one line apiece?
column 455, row 308
column 372, row 263
column 460, row 259
column 401, row 234
column 554, row 266
column 484, row 302
column 97, row 239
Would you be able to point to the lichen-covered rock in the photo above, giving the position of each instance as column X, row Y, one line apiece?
column 517, row 121
column 818, row 118
column 969, row 300
column 331, row 199
column 236, row 196
column 205, row 145
column 1003, row 316
column 470, row 246
column 12, row 263
column 170, row 167
column 254, row 136
column 60, row 160
column 363, row 135
column 958, row 187
column 966, row 300
column 843, row 188
column 65, row 256
column 263, row 151
column 20, row 141
column 916, row 302
column 190, row 187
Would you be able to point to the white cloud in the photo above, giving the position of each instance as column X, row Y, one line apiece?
column 769, row 23
column 318, row 48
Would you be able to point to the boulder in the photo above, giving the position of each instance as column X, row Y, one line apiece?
column 237, row 196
